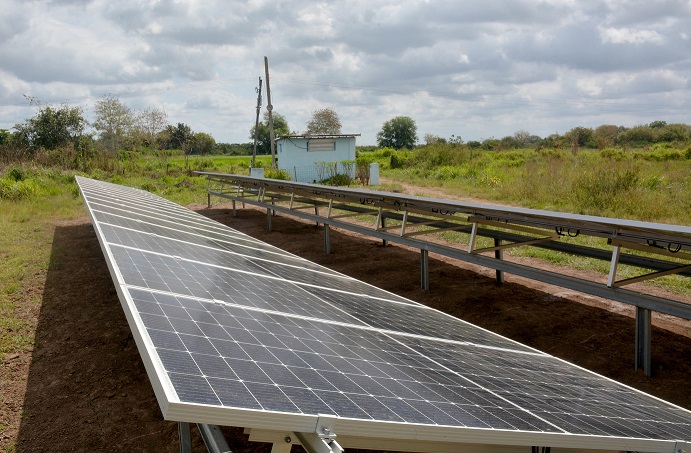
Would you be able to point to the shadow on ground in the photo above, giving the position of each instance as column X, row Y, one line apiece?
column 87, row 387
column 88, row 390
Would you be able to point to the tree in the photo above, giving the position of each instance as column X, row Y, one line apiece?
column 399, row 132
column 522, row 137
column 149, row 123
column 605, row 135
column 51, row 128
column 264, row 137
column 431, row 139
column 203, row 143
column 637, row 136
column 114, row 122
column 580, row 137
column 5, row 136
column 324, row 121
column 181, row 138
column 508, row 142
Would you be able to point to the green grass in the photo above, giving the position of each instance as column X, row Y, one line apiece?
column 26, row 232
column 628, row 185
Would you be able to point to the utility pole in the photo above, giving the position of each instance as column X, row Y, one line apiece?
column 256, row 123
column 270, row 107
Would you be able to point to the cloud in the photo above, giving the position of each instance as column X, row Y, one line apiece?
column 475, row 69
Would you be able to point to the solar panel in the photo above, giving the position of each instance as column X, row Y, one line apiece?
column 237, row 332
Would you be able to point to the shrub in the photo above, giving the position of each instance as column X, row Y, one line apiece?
column 272, row 173
column 399, row 160
column 16, row 174
column 613, row 153
column 16, row 190
column 338, row 180
column 446, row 173
column 605, row 187
column 660, row 155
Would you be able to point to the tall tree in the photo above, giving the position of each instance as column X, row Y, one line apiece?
column 522, row 137
column 605, row 135
column 149, row 123
column 52, row 127
column 203, row 143
column 324, row 121
column 114, row 122
column 432, row 139
column 399, row 132
column 263, row 135
column 181, row 137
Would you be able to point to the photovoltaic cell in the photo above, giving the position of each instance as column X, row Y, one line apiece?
column 230, row 323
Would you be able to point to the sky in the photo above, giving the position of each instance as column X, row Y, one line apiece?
column 474, row 69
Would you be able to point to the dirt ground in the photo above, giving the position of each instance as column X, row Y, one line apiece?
column 83, row 386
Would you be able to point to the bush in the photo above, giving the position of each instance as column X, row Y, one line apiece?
column 446, row 173
column 613, row 153
column 272, row 173
column 338, row 180
column 660, row 155
column 16, row 190
column 605, row 188
column 399, row 159
column 16, row 174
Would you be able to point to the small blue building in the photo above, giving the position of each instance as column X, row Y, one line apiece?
column 312, row 158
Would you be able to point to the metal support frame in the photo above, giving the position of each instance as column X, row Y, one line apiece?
column 404, row 223
column 549, row 240
column 281, row 447
column 550, row 236
column 499, row 254
column 616, row 254
column 424, row 269
column 380, row 224
column 185, row 436
column 268, row 219
column 654, row 303
column 327, row 242
column 313, row 443
column 643, row 340
column 322, row 439
column 213, row 438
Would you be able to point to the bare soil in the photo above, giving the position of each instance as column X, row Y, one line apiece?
column 82, row 387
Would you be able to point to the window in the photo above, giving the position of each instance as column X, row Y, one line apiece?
column 321, row 144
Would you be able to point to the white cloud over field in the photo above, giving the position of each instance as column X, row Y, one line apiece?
column 470, row 68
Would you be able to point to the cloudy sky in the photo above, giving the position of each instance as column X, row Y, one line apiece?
column 475, row 69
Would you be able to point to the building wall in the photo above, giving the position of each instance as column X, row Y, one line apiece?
column 295, row 158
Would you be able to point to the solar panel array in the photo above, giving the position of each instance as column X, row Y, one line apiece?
column 230, row 326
